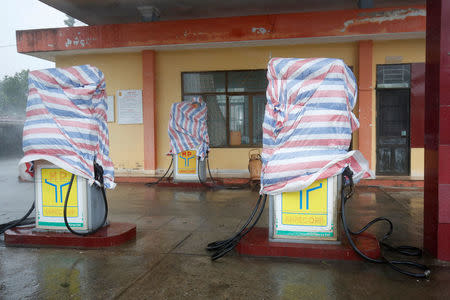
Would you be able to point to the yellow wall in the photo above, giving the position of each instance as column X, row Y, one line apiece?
column 417, row 162
column 398, row 51
column 122, row 72
column 170, row 64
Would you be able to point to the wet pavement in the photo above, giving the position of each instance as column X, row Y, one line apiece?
column 168, row 260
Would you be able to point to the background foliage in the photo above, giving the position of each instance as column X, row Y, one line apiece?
column 13, row 94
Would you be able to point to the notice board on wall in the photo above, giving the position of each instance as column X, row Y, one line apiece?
column 129, row 107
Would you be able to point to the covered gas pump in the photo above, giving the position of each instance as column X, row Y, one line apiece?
column 66, row 148
column 307, row 171
column 307, row 131
column 306, row 136
column 189, row 141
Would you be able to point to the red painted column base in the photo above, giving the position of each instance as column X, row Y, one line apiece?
column 113, row 234
column 443, row 251
column 256, row 243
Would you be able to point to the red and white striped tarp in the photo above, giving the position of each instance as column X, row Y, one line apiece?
column 188, row 129
column 308, row 124
column 66, row 121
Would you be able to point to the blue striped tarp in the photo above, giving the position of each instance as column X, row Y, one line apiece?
column 66, row 121
column 188, row 129
column 308, row 124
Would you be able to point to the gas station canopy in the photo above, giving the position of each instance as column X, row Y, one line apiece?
column 100, row 12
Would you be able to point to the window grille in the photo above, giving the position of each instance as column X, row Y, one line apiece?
column 393, row 76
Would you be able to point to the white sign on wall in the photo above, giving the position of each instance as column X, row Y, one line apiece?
column 129, row 107
column 110, row 110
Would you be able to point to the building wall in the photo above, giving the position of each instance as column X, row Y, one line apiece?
column 122, row 72
column 399, row 51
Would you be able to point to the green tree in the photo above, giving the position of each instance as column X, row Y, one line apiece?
column 14, row 93
column 69, row 21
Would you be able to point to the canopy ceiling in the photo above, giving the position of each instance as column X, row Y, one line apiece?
column 96, row 12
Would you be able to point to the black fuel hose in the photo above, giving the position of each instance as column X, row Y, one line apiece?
column 218, row 244
column 223, row 247
column 215, row 185
column 346, row 193
column 22, row 221
column 162, row 177
column 98, row 171
column 235, row 240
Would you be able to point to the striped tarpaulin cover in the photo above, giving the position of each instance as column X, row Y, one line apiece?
column 308, row 124
column 188, row 129
column 66, row 121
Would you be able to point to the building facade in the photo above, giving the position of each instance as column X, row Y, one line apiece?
column 224, row 61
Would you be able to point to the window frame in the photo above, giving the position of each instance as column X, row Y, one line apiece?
column 227, row 95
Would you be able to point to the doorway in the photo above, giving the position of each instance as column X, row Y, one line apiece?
column 393, row 133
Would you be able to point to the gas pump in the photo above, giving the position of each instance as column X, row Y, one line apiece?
column 307, row 131
column 189, row 141
column 189, row 144
column 66, row 149
column 307, row 170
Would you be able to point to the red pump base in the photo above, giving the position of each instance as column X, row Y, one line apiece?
column 113, row 234
column 256, row 243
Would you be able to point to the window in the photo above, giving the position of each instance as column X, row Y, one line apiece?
column 236, row 102
column 393, row 76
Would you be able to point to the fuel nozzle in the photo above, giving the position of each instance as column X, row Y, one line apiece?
column 348, row 176
column 98, row 173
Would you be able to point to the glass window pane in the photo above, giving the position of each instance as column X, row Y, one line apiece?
column 217, row 115
column 239, row 127
column 259, row 106
column 204, row 82
column 247, row 81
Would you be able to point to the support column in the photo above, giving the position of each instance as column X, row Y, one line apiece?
column 149, row 109
column 437, row 133
column 365, row 92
